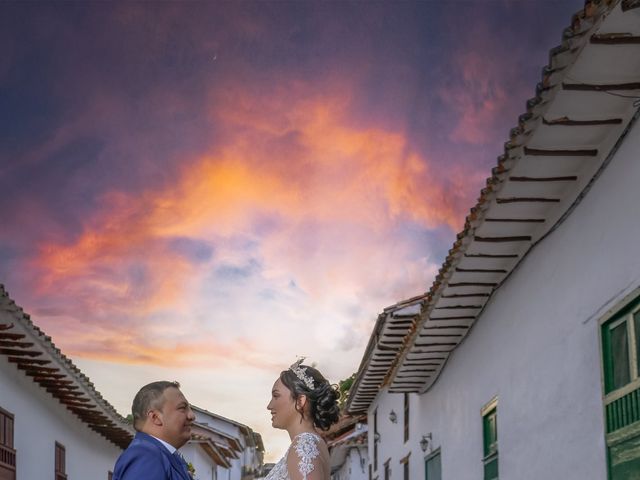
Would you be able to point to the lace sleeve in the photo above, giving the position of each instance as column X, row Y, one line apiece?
column 303, row 457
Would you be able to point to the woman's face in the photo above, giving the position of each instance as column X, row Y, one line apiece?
column 282, row 406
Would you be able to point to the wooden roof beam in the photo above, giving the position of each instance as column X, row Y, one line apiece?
column 568, row 178
column 6, row 326
column 11, row 343
column 567, row 122
column 501, row 201
column 515, row 220
column 37, row 368
column 521, row 238
column 491, row 255
column 457, row 307
column 540, row 152
column 589, row 87
column 479, row 270
column 14, row 352
column 40, row 376
column 28, row 361
column 58, row 393
column 11, row 336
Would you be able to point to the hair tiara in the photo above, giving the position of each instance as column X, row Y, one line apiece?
column 301, row 372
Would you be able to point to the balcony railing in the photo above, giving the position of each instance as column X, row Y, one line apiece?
column 7, row 456
column 623, row 411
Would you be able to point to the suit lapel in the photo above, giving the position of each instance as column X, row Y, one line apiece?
column 175, row 462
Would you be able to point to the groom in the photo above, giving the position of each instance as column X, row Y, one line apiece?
column 162, row 418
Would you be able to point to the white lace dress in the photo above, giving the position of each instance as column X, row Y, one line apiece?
column 306, row 447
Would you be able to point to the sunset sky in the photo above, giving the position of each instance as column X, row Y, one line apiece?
column 202, row 192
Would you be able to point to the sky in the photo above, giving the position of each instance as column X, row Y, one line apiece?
column 204, row 191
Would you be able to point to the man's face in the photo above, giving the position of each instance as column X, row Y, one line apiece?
column 176, row 418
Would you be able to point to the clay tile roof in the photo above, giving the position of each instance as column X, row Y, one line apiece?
column 33, row 352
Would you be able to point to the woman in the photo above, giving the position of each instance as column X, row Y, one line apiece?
column 303, row 402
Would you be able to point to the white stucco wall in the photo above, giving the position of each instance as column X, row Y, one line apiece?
column 392, row 446
column 40, row 421
column 203, row 465
column 536, row 347
column 351, row 469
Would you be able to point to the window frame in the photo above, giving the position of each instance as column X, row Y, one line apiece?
column 430, row 457
column 623, row 312
column 7, row 449
column 60, row 468
column 387, row 469
column 375, row 440
column 406, row 417
column 404, row 461
column 490, row 452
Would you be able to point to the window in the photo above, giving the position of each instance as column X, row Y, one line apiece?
column 61, row 467
column 7, row 452
column 109, row 475
column 490, row 439
column 433, row 467
column 620, row 336
column 387, row 470
column 406, row 417
column 376, row 439
column 621, row 349
column 370, row 473
column 405, row 466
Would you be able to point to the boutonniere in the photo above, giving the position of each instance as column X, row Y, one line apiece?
column 192, row 470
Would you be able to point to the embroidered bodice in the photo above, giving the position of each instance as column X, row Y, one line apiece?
column 306, row 447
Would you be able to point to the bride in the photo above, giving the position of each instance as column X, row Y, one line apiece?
column 303, row 402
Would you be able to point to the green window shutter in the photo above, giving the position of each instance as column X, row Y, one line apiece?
column 636, row 329
column 490, row 444
column 490, row 429
column 616, row 355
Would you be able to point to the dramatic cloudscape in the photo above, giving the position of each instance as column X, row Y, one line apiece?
column 205, row 191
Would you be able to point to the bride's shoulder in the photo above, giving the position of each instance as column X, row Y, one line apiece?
column 305, row 451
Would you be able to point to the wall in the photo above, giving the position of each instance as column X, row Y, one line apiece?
column 351, row 469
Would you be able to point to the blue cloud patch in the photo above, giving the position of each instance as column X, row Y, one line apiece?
column 194, row 250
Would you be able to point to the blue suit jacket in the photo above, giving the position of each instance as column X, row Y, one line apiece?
column 147, row 459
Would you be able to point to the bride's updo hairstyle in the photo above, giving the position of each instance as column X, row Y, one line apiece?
column 321, row 395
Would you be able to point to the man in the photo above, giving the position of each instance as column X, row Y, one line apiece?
column 162, row 418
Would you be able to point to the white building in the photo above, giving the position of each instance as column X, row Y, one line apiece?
column 53, row 423
column 223, row 449
column 523, row 359
column 348, row 450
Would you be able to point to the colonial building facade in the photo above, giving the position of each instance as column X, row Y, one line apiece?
column 523, row 359
column 53, row 423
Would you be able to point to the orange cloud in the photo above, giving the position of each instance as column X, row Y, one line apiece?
column 338, row 192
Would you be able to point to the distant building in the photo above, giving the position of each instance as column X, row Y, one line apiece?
column 523, row 359
column 347, row 442
column 223, row 449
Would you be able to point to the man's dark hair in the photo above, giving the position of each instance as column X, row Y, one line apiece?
column 149, row 398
